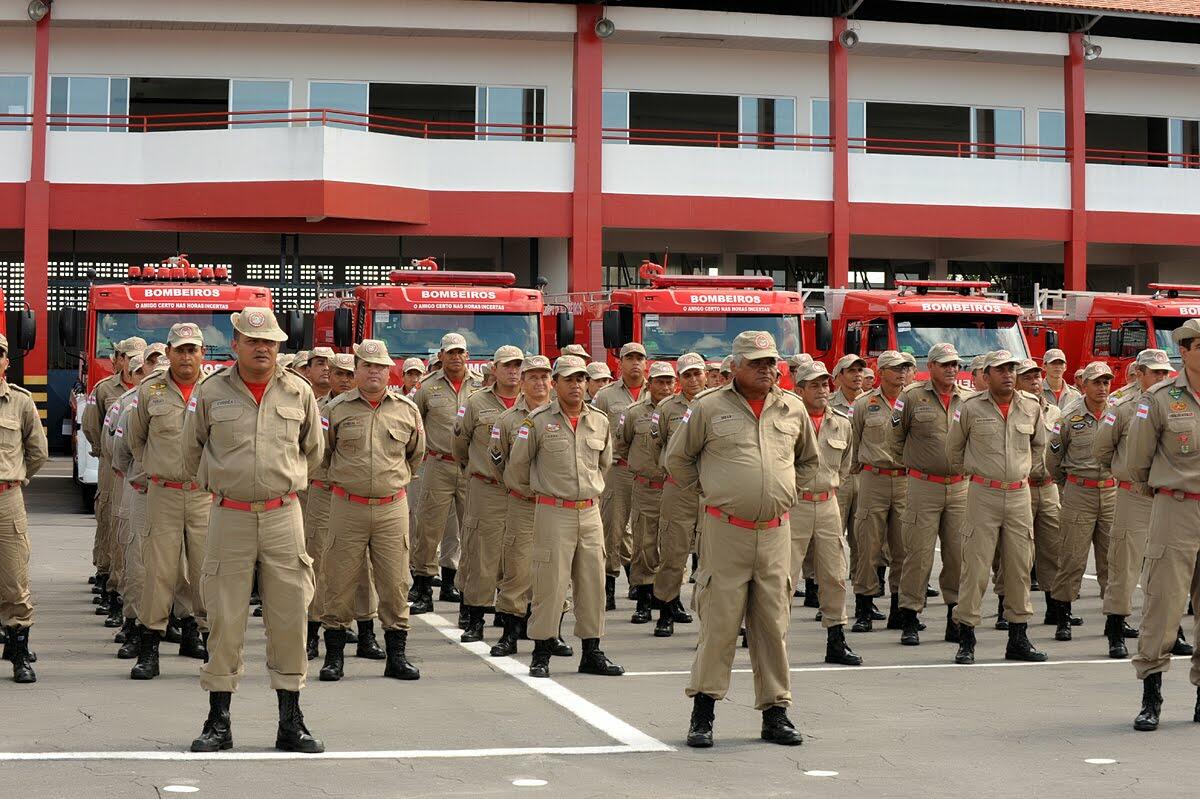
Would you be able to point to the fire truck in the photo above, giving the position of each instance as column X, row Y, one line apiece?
column 693, row 313
column 920, row 313
column 147, row 304
column 424, row 303
column 1111, row 327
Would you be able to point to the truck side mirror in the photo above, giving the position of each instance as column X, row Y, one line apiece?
column 1116, row 341
column 824, row 330
column 26, row 330
column 343, row 328
column 564, row 328
column 293, row 325
column 69, row 327
column 1051, row 339
column 853, row 343
column 612, row 330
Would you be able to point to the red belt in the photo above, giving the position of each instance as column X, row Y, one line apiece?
column 672, row 481
column 188, row 486
column 646, row 481
column 747, row 524
column 441, row 456
column 1082, row 481
column 1179, row 494
column 821, row 497
column 1125, row 484
column 882, row 472
column 119, row 473
column 1045, row 481
column 341, row 492
column 258, row 506
column 573, row 504
column 622, row 462
column 7, row 486
column 487, row 480
column 936, row 478
column 138, row 487
column 520, row 496
column 1003, row 486
column 319, row 484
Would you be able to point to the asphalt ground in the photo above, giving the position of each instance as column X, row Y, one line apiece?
column 907, row 724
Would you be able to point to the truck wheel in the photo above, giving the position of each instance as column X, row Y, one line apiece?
column 88, row 492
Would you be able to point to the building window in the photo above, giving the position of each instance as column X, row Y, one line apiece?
column 424, row 110
column 698, row 120
column 259, row 95
column 1132, row 140
column 82, row 102
column 171, row 104
column 1052, row 134
column 615, row 116
column 510, row 113
column 856, row 113
column 765, row 118
column 993, row 127
column 14, row 102
column 915, row 129
column 350, row 98
column 1185, row 143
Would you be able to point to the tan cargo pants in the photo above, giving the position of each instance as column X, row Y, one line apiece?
column 881, row 506
column 568, row 551
column 816, row 531
column 516, row 546
column 177, row 522
column 1126, row 550
column 443, row 490
column 935, row 513
column 1086, row 522
column 366, row 533
column 996, row 517
column 1170, row 579
column 135, row 539
column 677, row 524
column 482, row 542
column 16, row 604
column 616, row 507
column 102, row 545
column 316, row 536
column 646, row 502
column 1047, row 534
column 119, row 527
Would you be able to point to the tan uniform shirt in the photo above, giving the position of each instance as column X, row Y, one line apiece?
column 155, row 430
column 614, row 399
column 870, row 423
column 670, row 419
column 636, row 439
column 322, row 472
column 1069, row 395
column 111, row 428
column 1163, row 447
column 1110, row 445
column 252, row 451
column 550, row 458
column 919, row 427
column 833, row 447
column 99, row 401
column 748, row 467
column 473, row 433
column 1050, row 417
column 438, row 403
column 839, row 400
column 983, row 442
column 504, row 433
column 23, row 448
column 1070, row 450
column 122, row 456
column 372, row 452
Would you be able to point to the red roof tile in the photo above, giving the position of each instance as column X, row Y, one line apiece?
column 1168, row 8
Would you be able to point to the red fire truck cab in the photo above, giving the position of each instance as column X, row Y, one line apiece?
column 918, row 314
column 425, row 303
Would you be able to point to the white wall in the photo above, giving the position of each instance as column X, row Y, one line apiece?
column 14, row 156
column 931, row 180
column 1112, row 92
column 16, row 50
column 711, row 172
column 1111, row 187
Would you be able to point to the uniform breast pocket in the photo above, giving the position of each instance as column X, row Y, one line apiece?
column 350, row 437
column 1181, row 437
column 288, row 420
column 398, row 436
column 227, row 423
column 10, row 434
column 164, row 417
column 925, row 419
column 727, row 427
column 874, row 427
column 590, row 452
column 1021, row 440
column 555, row 443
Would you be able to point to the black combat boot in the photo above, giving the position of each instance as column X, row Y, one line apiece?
column 951, row 625
column 146, row 667
column 881, row 572
column 665, row 626
column 464, row 616
column 191, row 645
column 100, row 590
column 1019, row 646
column 1196, row 710
column 204, row 639
column 173, row 634
column 311, row 646
column 700, row 729
column 398, row 666
column 351, row 635
column 812, row 598
column 645, row 595
column 507, row 645
column 876, row 614
column 293, row 736
column 559, row 648
column 837, row 650
column 474, row 629
column 17, row 642
column 133, row 641
column 1116, row 641
column 895, row 620
column 629, row 582
column 116, row 612
column 423, row 585
column 1181, row 647
column 1051, row 617
column 1147, row 720
column 911, row 628
column 121, row 635
column 966, row 645
column 497, row 617
column 1001, row 622
column 695, row 565
column 104, row 606
column 539, row 664
column 862, row 614
column 368, row 644
column 777, row 728
column 1063, row 631
column 335, row 656
column 679, row 613
column 448, row 592
column 931, row 592
column 594, row 661
column 610, row 592
column 217, row 735
column 523, row 625
column 1126, row 630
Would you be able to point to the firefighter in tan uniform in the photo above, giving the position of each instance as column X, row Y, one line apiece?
column 177, row 507
column 1164, row 455
column 443, row 480
column 103, row 395
column 615, row 503
column 744, row 435
column 880, row 493
column 22, row 452
column 599, row 376
column 995, row 437
column 374, row 442
column 1088, row 494
column 134, row 511
column 636, row 442
column 560, row 456
column 679, row 510
column 847, row 379
column 487, row 497
column 111, row 601
column 936, row 495
column 256, row 426
column 815, row 519
column 1131, row 515
column 1055, row 388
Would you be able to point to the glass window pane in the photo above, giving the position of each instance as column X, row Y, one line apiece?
column 347, row 97
column 785, row 123
column 749, row 123
column 820, row 123
column 14, row 97
column 259, row 95
column 1052, row 133
column 88, row 96
column 1184, row 143
column 118, row 102
column 616, row 116
column 59, row 88
column 510, row 112
column 857, row 124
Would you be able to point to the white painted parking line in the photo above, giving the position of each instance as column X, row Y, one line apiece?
column 1003, row 664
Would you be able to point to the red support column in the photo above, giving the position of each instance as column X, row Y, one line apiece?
column 584, row 267
column 37, row 219
column 838, row 271
column 1075, row 123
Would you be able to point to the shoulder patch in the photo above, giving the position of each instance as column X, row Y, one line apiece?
column 1143, row 410
column 957, row 414
column 1110, row 418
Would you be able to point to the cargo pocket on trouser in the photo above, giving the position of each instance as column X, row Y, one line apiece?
column 700, row 594
column 543, row 578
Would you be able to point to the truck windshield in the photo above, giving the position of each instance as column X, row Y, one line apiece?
column 971, row 334
column 1164, row 326
column 712, row 335
column 113, row 326
column 418, row 335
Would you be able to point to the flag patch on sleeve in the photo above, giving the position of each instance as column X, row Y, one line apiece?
column 523, row 433
column 324, row 422
column 1143, row 411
